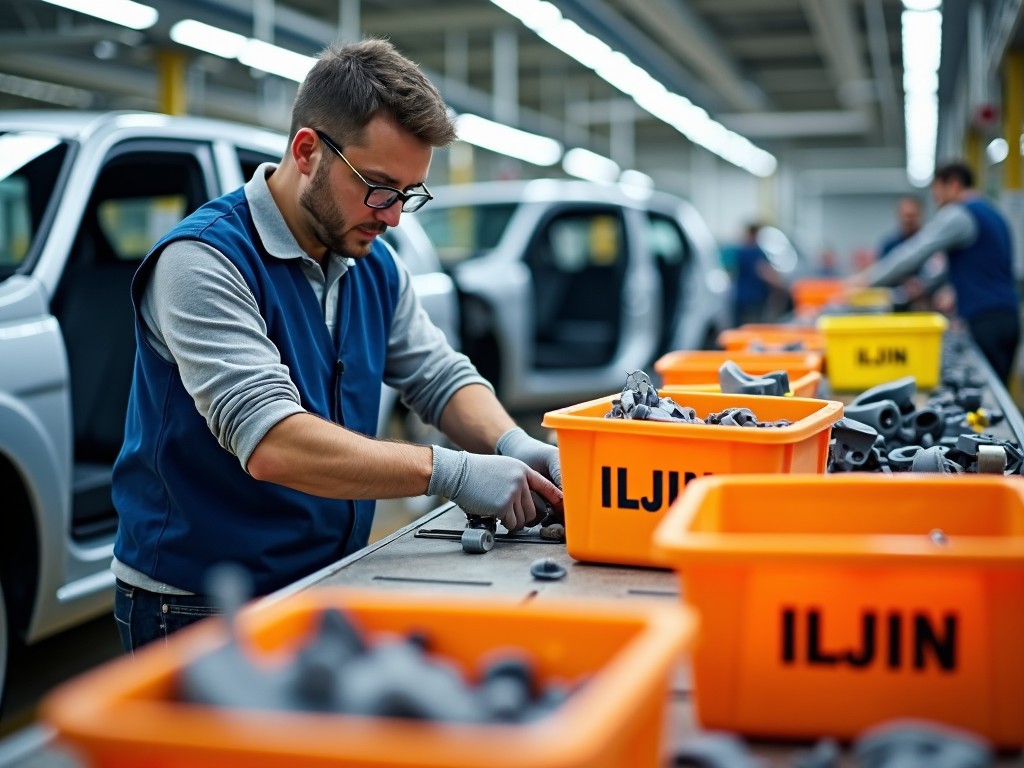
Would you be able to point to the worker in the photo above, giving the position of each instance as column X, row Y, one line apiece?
column 908, row 216
column 755, row 279
column 976, row 239
column 266, row 322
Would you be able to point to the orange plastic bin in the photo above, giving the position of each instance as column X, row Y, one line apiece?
column 619, row 476
column 829, row 604
column 122, row 714
column 811, row 295
column 772, row 337
column 807, row 385
column 700, row 366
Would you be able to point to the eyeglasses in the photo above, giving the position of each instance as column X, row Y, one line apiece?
column 379, row 195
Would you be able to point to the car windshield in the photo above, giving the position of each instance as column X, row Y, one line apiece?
column 30, row 165
column 463, row 232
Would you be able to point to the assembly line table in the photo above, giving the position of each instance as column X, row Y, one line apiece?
column 412, row 560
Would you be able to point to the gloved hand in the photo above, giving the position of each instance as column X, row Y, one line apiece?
column 490, row 486
column 538, row 456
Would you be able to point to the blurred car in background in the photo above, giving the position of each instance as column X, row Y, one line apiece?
column 565, row 286
column 83, row 197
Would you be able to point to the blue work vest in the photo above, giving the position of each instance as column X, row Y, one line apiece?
column 184, row 502
column 982, row 273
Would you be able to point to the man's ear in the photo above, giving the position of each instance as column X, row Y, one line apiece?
column 306, row 151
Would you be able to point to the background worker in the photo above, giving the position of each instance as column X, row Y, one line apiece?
column 755, row 279
column 909, row 220
column 266, row 322
column 913, row 292
column 977, row 242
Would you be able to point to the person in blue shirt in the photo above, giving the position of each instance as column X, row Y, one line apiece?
column 266, row 323
column 755, row 279
column 908, row 214
column 977, row 242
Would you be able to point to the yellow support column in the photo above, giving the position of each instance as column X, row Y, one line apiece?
column 173, row 94
column 1013, row 116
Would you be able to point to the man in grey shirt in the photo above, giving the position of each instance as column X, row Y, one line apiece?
column 976, row 239
column 266, row 322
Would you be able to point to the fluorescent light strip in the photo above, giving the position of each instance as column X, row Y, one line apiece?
column 539, row 150
column 585, row 164
column 922, row 51
column 616, row 68
column 124, row 12
column 251, row 52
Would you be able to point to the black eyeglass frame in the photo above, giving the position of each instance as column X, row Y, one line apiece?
column 411, row 201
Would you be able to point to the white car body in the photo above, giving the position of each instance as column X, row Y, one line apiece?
column 565, row 286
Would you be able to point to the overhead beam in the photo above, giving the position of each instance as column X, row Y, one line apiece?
column 686, row 35
column 881, row 65
column 788, row 46
column 781, row 125
column 835, row 32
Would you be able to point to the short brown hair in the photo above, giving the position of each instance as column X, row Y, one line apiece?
column 961, row 172
column 351, row 84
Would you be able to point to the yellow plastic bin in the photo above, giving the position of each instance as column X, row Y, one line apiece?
column 864, row 350
column 619, row 476
column 870, row 298
column 828, row 604
column 772, row 337
column 700, row 366
column 123, row 714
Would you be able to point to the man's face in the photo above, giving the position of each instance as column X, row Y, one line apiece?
column 944, row 191
column 335, row 196
column 909, row 213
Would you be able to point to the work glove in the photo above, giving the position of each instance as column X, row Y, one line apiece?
column 538, row 456
column 489, row 486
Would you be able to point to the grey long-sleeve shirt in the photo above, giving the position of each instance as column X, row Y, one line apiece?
column 951, row 227
column 199, row 314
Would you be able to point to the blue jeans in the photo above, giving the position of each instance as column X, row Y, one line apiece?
column 143, row 616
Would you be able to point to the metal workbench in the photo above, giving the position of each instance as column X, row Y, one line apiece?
column 414, row 559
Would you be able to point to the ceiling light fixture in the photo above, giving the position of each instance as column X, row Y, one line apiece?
column 922, row 51
column 997, row 150
column 539, row 150
column 584, row 164
column 124, row 12
column 619, row 71
column 251, row 52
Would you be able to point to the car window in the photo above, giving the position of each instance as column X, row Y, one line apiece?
column 671, row 252
column 139, row 197
column 133, row 225
column 666, row 239
column 30, row 167
column 580, row 241
column 463, row 232
column 250, row 160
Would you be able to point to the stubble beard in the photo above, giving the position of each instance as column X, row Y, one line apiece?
column 326, row 219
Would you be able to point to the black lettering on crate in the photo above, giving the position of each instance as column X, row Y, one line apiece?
column 934, row 643
column 653, row 490
column 882, row 356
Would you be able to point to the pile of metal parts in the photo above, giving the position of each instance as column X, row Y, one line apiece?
column 894, row 744
column 640, row 400
column 883, row 430
column 339, row 671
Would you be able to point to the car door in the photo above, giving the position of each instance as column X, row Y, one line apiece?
column 142, row 188
column 578, row 258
